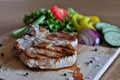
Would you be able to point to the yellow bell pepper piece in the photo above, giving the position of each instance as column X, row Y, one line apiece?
column 75, row 21
column 82, row 22
column 85, row 23
column 94, row 19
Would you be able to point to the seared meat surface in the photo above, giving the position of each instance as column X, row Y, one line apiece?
column 41, row 49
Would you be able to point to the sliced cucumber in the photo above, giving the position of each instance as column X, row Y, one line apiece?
column 108, row 29
column 112, row 38
column 102, row 25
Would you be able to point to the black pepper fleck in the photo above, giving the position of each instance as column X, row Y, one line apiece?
column 94, row 49
column 2, row 54
column 2, row 79
column 0, row 45
column 65, row 74
column 91, row 61
column 27, row 73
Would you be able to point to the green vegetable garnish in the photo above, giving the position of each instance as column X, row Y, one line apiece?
column 29, row 19
column 72, row 11
column 20, row 32
column 45, row 19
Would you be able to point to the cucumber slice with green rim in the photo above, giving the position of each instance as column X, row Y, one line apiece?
column 112, row 38
column 110, row 30
column 102, row 25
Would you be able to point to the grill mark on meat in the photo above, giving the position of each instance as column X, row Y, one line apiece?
column 45, row 45
column 67, row 46
column 49, row 45
column 68, row 36
column 46, row 50
column 64, row 50
column 67, row 52
column 59, row 51
column 38, row 56
column 42, row 51
column 61, row 36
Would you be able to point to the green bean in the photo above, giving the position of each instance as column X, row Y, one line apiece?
column 20, row 32
column 39, row 20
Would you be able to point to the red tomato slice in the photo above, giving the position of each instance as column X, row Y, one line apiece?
column 59, row 13
column 64, row 13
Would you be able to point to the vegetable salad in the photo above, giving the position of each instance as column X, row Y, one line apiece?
column 58, row 19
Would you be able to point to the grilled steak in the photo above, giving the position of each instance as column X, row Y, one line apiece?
column 45, row 50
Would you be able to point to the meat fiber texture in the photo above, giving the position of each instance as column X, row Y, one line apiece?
column 41, row 49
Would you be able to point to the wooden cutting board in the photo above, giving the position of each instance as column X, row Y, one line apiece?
column 99, row 56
